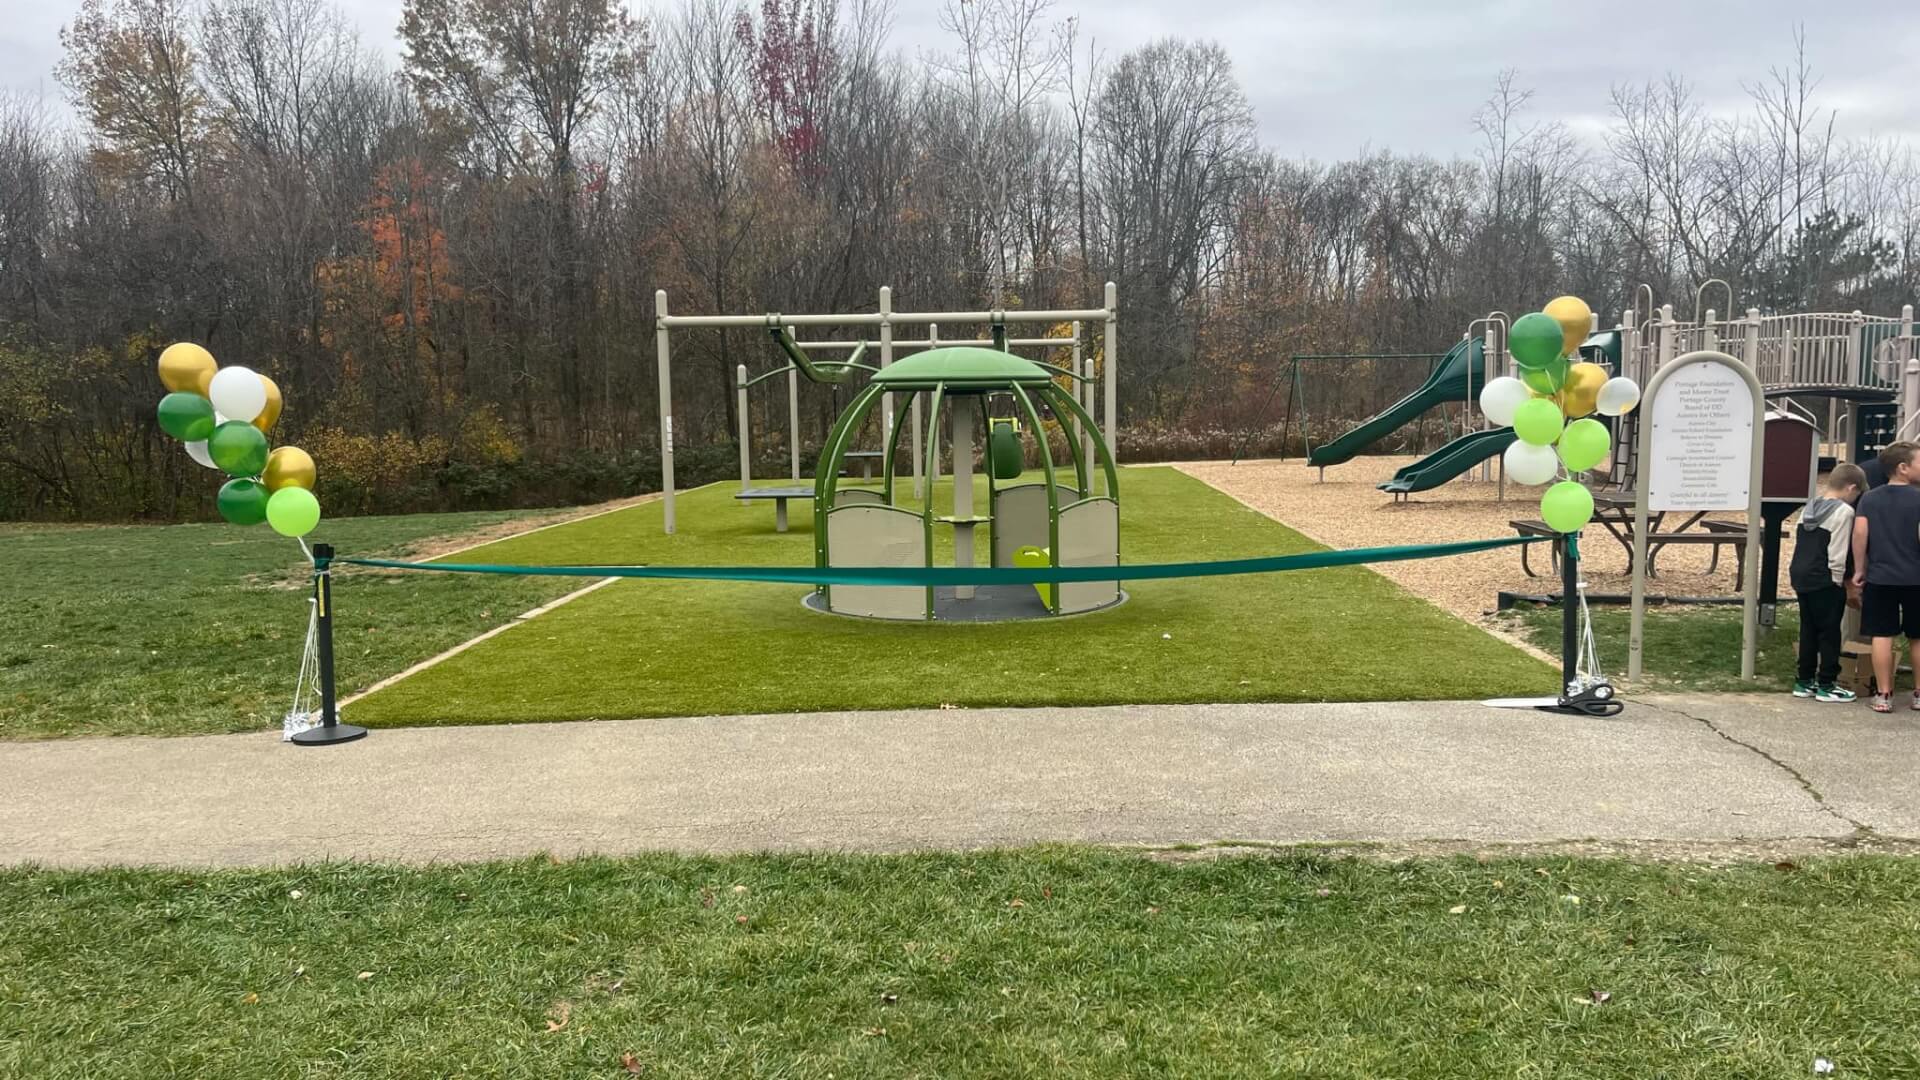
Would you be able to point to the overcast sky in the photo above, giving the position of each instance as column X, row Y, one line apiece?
column 1328, row 79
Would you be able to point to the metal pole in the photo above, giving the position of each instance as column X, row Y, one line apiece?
column 933, row 437
column 793, row 419
column 1110, row 345
column 746, row 459
column 1083, row 393
column 919, row 477
column 887, row 403
column 1569, row 613
column 663, row 352
column 331, row 730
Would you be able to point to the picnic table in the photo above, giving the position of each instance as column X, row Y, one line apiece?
column 866, row 458
column 1613, row 511
column 779, row 495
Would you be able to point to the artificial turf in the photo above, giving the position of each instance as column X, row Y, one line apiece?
column 1052, row 963
column 666, row 648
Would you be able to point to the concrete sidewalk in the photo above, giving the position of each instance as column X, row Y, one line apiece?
column 1694, row 768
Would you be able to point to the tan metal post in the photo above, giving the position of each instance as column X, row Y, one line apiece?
column 663, row 358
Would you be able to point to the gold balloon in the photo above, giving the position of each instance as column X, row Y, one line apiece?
column 272, row 410
column 186, row 367
column 1575, row 319
column 1582, row 390
column 288, row 466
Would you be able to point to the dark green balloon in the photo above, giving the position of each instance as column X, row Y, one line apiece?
column 1536, row 340
column 243, row 502
column 187, row 417
column 239, row 448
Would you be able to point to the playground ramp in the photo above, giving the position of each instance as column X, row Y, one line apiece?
column 1457, row 378
column 1451, row 460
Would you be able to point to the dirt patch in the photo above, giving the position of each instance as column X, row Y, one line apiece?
column 1711, row 852
column 1346, row 511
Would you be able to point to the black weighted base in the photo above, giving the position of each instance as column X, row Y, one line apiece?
column 328, row 736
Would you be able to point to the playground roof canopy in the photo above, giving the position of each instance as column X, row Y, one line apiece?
column 960, row 368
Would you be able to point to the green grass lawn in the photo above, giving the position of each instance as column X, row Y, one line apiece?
column 192, row 628
column 664, row 648
column 1043, row 963
column 1684, row 648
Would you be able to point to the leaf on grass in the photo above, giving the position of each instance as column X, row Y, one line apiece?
column 1822, row 1066
column 1046, row 892
column 295, row 894
column 739, row 920
column 1786, row 866
column 251, row 999
column 1600, row 997
column 631, row 1062
column 706, row 897
column 1323, row 893
column 1541, row 870
column 1498, row 884
column 1153, row 911
column 739, row 888
column 1016, row 902
column 874, row 1033
column 889, row 999
column 559, row 1016
column 1457, row 909
column 1571, row 899
column 364, row 976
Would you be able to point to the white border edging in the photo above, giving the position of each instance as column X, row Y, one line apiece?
column 517, row 620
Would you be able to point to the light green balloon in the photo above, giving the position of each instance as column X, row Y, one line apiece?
column 293, row 511
column 1584, row 444
column 1538, row 422
column 1566, row 507
column 1547, row 379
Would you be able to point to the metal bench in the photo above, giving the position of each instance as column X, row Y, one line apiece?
column 779, row 495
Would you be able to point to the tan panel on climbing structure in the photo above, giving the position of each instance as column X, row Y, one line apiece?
column 877, row 536
column 858, row 497
column 1089, row 536
column 1019, row 520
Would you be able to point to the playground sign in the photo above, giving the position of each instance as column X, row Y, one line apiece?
column 1702, row 451
column 1702, row 440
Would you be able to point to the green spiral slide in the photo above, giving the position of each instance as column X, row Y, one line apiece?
column 1458, row 377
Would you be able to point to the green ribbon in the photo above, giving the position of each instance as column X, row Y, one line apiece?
column 1004, row 575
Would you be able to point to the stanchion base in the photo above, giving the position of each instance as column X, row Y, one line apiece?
column 328, row 736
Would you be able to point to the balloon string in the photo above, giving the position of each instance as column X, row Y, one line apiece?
column 303, row 547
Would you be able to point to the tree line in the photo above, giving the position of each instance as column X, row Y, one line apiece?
column 450, row 267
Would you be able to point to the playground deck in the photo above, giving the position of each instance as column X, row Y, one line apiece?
column 1346, row 511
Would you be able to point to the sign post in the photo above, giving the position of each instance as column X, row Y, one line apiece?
column 1701, row 448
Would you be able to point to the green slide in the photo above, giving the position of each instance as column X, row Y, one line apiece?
column 1458, row 377
column 1450, row 460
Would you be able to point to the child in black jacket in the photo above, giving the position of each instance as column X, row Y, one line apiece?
column 1822, row 564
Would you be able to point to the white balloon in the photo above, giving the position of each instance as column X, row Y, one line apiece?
column 1617, row 396
column 198, row 452
column 238, row 393
column 1531, row 465
column 1500, row 397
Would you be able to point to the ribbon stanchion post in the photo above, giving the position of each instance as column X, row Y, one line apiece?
column 331, row 731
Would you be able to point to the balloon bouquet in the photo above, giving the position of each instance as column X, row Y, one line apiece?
column 224, row 416
column 1550, row 405
column 1556, row 438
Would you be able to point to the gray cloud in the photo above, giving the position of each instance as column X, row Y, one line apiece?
column 1328, row 79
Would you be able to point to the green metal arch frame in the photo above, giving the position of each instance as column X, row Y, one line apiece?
column 1059, row 398
column 826, row 472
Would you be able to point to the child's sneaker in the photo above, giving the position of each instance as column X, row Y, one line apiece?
column 1804, row 688
column 1833, row 693
column 1880, row 704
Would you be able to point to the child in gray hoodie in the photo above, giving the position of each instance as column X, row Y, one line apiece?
column 1822, row 564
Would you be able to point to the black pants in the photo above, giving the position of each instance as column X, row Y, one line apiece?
column 1820, row 613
